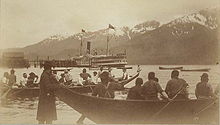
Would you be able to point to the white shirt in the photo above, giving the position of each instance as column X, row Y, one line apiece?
column 95, row 79
column 4, row 80
column 23, row 81
column 68, row 77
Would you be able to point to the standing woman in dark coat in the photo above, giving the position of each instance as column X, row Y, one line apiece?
column 46, row 107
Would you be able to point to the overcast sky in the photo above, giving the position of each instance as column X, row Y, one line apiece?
column 24, row 22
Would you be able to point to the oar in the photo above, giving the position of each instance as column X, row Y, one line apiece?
column 164, row 107
column 206, row 107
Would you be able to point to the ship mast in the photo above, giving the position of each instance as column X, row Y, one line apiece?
column 81, row 44
column 108, row 38
column 107, row 50
column 80, row 52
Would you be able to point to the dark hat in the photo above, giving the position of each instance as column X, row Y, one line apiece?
column 104, row 75
column 204, row 75
column 47, row 64
column 31, row 73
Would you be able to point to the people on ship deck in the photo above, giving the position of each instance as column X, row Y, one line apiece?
column 68, row 77
column 203, row 88
column 85, row 77
column 31, row 80
column 105, row 88
column 135, row 92
column 23, row 80
column 151, row 88
column 177, row 87
column 12, row 78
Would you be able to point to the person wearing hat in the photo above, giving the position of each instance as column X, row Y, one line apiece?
column 135, row 92
column 177, row 87
column 203, row 88
column 46, row 112
column 151, row 88
column 31, row 80
column 106, row 88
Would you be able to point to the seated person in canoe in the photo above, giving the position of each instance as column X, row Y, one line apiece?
column 151, row 88
column 135, row 92
column 68, row 77
column 176, row 87
column 106, row 88
column 23, row 81
column 85, row 77
column 203, row 88
column 31, row 80
column 124, row 75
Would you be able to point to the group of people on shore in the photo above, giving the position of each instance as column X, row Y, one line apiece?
column 10, row 80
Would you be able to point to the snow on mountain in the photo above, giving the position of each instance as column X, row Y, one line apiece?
column 57, row 37
column 146, row 26
column 206, row 18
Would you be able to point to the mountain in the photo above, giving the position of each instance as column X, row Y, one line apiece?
column 60, row 47
column 190, row 39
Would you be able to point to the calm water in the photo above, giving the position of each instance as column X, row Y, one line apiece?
column 24, row 111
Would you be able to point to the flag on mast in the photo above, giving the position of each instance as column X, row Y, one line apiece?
column 111, row 27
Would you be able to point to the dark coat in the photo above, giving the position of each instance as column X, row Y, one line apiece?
column 135, row 93
column 46, row 105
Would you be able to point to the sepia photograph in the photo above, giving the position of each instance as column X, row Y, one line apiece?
column 88, row 62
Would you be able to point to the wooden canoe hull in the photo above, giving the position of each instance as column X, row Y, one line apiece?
column 34, row 92
column 170, row 68
column 110, row 111
column 195, row 70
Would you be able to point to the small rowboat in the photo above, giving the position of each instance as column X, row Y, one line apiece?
column 34, row 92
column 111, row 111
column 195, row 70
column 170, row 68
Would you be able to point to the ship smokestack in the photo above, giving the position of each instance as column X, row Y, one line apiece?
column 88, row 47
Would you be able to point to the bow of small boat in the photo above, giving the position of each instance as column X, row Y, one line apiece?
column 110, row 111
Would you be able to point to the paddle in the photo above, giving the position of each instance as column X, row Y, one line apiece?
column 6, row 93
column 206, row 107
column 171, row 100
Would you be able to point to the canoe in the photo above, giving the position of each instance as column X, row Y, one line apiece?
column 170, row 68
column 61, row 69
column 112, row 111
column 34, row 92
column 124, row 68
column 195, row 70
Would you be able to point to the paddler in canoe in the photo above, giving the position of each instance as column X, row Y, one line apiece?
column 177, row 86
column 151, row 88
column 85, row 78
column 204, row 90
